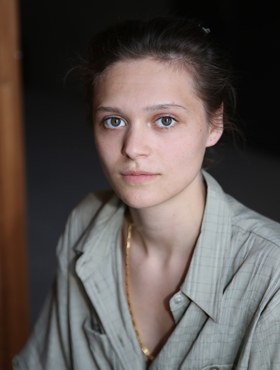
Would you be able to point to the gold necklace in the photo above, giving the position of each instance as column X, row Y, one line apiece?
column 143, row 348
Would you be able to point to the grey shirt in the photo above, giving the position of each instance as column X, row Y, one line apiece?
column 227, row 310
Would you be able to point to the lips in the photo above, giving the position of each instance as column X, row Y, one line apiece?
column 138, row 176
column 137, row 173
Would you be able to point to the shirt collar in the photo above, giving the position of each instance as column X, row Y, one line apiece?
column 96, row 243
column 204, row 283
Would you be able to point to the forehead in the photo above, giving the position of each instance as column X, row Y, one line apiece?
column 145, row 82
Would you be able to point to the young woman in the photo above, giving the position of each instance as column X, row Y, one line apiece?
column 165, row 271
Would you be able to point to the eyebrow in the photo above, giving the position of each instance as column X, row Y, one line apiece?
column 163, row 106
column 150, row 108
column 109, row 110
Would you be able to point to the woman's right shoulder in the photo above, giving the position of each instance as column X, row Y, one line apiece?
column 81, row 219
column 89, row 207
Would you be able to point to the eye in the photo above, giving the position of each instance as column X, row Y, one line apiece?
column 165, row 121
column 114, row 122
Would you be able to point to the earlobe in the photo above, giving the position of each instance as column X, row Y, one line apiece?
column 216, row 127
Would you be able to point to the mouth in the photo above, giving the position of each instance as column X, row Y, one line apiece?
column 138, row 176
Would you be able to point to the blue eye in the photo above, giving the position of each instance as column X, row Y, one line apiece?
column 165, row 121
column 114, row 122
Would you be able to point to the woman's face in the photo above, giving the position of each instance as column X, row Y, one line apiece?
column 151, row 132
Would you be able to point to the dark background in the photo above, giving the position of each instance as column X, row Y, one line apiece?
column 61, row 162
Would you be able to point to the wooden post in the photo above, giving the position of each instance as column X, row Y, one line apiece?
column 14, row 324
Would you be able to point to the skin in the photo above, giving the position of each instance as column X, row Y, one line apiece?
column 151, row 132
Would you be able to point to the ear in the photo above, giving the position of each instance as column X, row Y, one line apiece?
column 216, row 127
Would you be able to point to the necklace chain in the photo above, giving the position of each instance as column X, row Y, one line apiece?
column 143, row 348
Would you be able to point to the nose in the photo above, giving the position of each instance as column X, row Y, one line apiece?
column 136, row 143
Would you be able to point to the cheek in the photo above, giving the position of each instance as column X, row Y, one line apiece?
column 186, row 150
column 109, row 153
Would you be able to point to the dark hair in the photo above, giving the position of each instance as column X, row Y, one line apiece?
column 172, row 40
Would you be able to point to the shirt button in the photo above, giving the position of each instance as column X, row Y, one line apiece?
column 178, row 299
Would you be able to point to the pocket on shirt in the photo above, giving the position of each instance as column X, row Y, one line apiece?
column 101, row 349
column 218, row 367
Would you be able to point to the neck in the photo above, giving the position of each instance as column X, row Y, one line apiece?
column 171, row 228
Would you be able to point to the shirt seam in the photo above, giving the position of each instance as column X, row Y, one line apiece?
column 258, row 235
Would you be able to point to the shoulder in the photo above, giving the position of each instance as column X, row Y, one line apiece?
column 255, row 243
column 232, row 219
column 253, row 225
column 89, row 207
column 84, row 217
column 251, row 241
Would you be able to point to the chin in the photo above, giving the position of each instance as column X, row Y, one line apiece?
column 138, row 198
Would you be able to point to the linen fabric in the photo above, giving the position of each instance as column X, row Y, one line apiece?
column 227, row 310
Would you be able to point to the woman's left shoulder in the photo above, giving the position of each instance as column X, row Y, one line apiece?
column 247, row 220
column 257, row 236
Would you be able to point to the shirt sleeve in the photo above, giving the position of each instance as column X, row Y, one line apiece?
column 265, row 348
